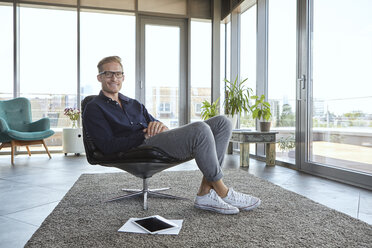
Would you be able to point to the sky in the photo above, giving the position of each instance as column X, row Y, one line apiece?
column 342, row 53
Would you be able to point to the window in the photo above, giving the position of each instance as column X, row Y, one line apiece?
column 95, row 30
column 248, row 58
column 48, row 75
column 200, row 64
column 341, row 125
column 6, row 52
column 162, row 69
column 282, row 75
column 248, row 39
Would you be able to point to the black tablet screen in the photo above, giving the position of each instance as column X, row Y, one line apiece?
column 153, row 224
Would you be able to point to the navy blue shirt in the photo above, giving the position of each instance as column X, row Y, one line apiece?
column 112, row 128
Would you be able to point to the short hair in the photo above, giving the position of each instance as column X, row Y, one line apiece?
column 107, row 60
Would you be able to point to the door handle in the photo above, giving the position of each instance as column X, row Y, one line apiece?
column 302, row 81
column 302, row 85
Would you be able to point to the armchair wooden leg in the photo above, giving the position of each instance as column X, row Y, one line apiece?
column 28, row 151
column 46, row 148
column 12, row 145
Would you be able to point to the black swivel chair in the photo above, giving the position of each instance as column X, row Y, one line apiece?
column 141, row 162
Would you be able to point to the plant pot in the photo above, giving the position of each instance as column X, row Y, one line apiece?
column 233, row 119
column 265, row 126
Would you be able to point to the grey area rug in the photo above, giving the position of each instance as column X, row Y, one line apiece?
column 285, row 219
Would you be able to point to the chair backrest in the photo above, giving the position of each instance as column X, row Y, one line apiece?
column 16, row 113
column 89, row 145
column 85, row 101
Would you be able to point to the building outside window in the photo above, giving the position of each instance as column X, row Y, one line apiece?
column 164, row 108
column 197, row 107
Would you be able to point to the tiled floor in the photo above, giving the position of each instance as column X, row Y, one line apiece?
column 30, row 190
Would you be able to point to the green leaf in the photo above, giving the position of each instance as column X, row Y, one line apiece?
column 237, row 97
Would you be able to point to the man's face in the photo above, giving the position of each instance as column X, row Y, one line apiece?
column 111, row 85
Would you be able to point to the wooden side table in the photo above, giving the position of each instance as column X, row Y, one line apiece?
column 72, row 141
column 244, row 138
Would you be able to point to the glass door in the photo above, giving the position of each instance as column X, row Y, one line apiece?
column 163, row 69
column 334, row 90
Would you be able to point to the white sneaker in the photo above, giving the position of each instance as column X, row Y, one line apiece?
column 242, row 201
column 213, row 202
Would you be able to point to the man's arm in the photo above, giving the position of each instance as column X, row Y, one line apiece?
column 153, row 125
column 154, row 128
column 99, row 129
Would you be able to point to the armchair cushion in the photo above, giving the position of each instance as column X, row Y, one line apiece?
column 16, row 135
column 40, row 125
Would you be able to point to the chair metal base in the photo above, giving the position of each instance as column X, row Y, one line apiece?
column 145, row 192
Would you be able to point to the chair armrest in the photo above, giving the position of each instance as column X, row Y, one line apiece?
column 40, row 125
column 3, row 125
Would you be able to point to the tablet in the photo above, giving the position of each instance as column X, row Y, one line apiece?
column 154, row 224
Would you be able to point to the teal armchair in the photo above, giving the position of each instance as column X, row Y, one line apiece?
column 17, row 128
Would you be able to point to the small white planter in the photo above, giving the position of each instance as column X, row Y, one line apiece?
column 72, row 141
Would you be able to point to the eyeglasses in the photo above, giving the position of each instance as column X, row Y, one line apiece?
column 110, row 74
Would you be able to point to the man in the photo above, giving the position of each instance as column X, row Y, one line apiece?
column 119, row 123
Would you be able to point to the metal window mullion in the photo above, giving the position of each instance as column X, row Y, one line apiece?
column 303, row 61
column 235, row 47
column 16, row 51
column 235, row 53
column 185, row 77
column 216, row 48
column 78, row 96
column 309, row 75
column 225, row 58
column 262, row 56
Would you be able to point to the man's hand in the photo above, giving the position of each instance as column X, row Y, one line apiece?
column 154, row 128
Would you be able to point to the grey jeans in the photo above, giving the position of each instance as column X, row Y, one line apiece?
column 205, row 141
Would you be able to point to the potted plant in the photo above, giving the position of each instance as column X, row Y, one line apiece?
column 261, row 111
column 287, row 144
column 209, row 109
column 236, row 99
column 73, row 114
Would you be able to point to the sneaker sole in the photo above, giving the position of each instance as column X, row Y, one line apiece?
column 258, row 203
column 218, row 210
